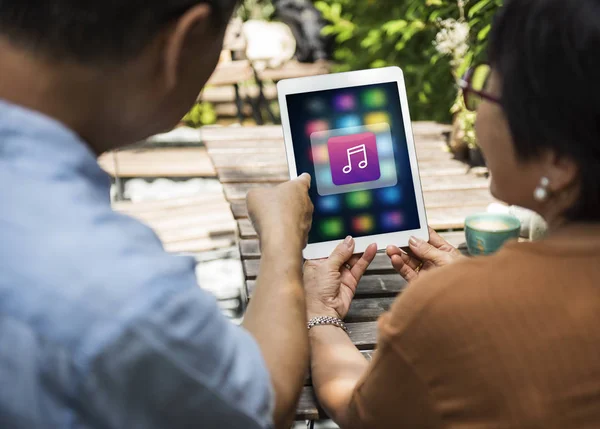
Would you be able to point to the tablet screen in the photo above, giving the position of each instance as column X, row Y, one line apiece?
column 353, row 143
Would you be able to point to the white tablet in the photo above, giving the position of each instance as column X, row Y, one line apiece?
column 352, row 132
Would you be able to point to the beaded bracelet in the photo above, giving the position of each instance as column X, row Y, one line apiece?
column 326, row 320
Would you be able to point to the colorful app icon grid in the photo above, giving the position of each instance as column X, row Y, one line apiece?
column 344, row 102
column 377, row 118
column 374, row 98
column 359, row 200
column 330, row 204
column 363, row 224
column 317, row 126
column 390, row 196
column 319, row 155
column 317, row 106
column 363, row 204
column 348, row 121
column 392, row 220
column 332, row 227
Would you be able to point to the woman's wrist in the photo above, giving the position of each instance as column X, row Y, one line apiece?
column 318, row 309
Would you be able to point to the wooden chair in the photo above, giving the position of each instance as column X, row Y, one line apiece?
column 234, row 69
column 290, row 70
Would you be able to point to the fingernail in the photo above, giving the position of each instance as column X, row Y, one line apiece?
column 348, row 241
column 414, row 241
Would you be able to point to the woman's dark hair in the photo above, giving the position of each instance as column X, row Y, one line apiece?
column 547, row 54
column 94, row 30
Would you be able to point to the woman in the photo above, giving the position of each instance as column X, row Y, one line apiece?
column 511, row 340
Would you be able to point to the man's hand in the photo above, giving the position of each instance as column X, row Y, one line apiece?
column 276, row 315
column 331, row 283
column 424, row 256
column 282, row 212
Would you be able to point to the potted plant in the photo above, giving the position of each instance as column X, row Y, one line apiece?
column 452, row 40
column 457, row 139
column 463, row 141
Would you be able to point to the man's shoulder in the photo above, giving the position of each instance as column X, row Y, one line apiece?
column 69, row 271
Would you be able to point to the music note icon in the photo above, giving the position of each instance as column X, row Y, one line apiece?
column 353, row 151
column 354, row 158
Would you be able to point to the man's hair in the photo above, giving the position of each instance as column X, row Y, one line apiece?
column 547, row 55
column 94, row 30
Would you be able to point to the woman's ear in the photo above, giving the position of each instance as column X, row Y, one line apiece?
column 561, row 171
column 193, row 29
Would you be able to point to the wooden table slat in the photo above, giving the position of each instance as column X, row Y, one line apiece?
column 293, row 69
column 381, row 265
column 256, row 145
column 369, row 286
column 167, row 203
column 308, row 408
column 230, row 73
column 158, row 162
column 207, row 210
column 199, row 245
column 425, row 149
column 363, row 335
column 187, row 224
column 236, row 133
column 270, row 132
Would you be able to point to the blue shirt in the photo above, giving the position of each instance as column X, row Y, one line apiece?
column 99, row 326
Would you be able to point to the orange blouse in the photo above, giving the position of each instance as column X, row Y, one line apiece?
column 506, row 341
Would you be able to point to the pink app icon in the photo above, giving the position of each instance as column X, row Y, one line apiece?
column 354, row 158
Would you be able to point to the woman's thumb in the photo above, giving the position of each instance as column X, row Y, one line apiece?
column 342, row 253
column 425, row 251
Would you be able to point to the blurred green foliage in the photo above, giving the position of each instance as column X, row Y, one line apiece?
column 200, row 114
column 256, row 9
column 380, row 33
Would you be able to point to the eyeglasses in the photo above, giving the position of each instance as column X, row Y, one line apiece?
column 474, row 84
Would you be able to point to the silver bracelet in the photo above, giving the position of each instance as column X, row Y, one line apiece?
column 326, row 320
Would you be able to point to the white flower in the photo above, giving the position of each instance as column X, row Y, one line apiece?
column 453, row 40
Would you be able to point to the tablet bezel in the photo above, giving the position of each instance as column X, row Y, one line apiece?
column 347, row 80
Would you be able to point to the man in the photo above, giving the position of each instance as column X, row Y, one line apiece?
column 99, row 327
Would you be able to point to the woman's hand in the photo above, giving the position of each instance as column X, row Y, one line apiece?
column 424, row 256
column 330, row 284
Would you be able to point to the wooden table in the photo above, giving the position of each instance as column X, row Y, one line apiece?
column 190, row 224
column 248, row 157
column 152, row 162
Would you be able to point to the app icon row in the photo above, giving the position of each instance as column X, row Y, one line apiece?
column 348, row 101
column 347, row 121
column 319, row 154
column 359, row 200
column 335, row 227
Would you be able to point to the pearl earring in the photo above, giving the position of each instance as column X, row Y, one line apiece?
column 541, row 192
